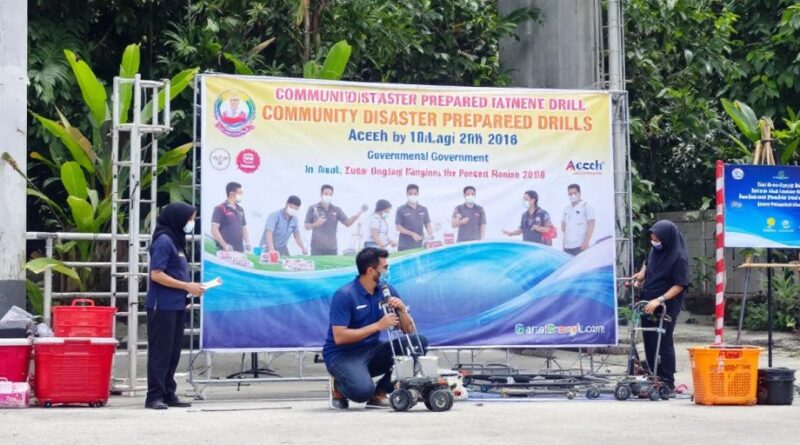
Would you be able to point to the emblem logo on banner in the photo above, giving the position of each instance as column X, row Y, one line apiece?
column 220, row 159
column 248, row 160
column 234, row 112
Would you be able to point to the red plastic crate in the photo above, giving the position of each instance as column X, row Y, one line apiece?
column 15, row 358
column 83, row 319
column 73, row 370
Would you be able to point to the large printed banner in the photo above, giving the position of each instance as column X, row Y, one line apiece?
column 762, row 206
column 507, row 239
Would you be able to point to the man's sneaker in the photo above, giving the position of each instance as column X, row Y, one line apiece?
column 337, row 400
column 379, row 401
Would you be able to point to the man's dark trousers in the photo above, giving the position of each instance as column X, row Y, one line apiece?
column 354, row 370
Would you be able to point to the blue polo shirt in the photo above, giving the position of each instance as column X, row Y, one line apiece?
column 354, row 307
column 282, row 229
column 165, row 256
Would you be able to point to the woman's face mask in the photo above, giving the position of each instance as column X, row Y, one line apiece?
column 189, row 227
column 656, row 245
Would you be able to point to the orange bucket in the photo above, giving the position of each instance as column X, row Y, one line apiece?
column 725, row 375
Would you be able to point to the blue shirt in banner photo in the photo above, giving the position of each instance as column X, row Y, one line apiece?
column 352, row 306
column 281, row 227
column 166, row 257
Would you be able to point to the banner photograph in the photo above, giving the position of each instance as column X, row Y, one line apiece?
column 761, row 203
column 496, row 205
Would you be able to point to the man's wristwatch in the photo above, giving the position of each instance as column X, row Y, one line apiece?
column 662, row 299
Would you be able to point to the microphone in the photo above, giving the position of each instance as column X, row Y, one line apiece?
column 385, row 291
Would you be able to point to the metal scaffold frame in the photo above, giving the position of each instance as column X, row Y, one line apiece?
column 141, row 212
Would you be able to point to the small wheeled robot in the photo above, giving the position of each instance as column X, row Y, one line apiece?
column 417, row 375
column 642, row 381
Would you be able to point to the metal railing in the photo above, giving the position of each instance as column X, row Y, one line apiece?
column 51, row 296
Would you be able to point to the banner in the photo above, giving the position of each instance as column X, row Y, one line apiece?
column 762, row 205
column 497, row 207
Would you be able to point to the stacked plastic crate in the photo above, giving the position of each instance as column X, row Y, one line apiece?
column 74, row 367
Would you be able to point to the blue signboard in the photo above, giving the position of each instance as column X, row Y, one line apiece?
column 762, row 206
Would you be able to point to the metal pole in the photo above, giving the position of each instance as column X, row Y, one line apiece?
column 133, row 233
column 192, row 321
column 616, row 63
column 744, row 303
column 769, row 307
column 114, row 192
column 48, row 283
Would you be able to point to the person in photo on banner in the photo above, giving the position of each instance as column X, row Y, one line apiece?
column 282, row 225
column 323, row 218
column 166, row 303
column 353, row 351
column 228, row 223
column 664, row 278
column 231, row 113
column 469, row 218
column 535, row 226
column 379, row 226
column 577, row 222
column 412, row 220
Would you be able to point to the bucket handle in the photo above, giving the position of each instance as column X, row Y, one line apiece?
column 80, row 340
column 85, row 301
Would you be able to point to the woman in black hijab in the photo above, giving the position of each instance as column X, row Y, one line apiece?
column 665, row 276
column 166, row 303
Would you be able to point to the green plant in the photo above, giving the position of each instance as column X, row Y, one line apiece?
column 703, row 274
column 786, row 305
column 38, row 266
column 644, row 203
column 77, row 190
column 625, row 313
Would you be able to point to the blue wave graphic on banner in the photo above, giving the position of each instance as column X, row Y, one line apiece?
column 475, row 294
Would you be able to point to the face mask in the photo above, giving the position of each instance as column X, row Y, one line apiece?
column 469, row 199
column 291, row 211
column 327, row 199
column 382, row 278
column 384, row 215
column 526, row 204
column 412, row 199
column 656, row 245
column 189, row 227
column 239, row 199
column 573, row 198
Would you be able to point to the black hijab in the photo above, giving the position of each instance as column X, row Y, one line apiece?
column 171, row 221
column 660, row 263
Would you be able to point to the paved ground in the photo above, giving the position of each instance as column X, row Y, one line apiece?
column 294, row 413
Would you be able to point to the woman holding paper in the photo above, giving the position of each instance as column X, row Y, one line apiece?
column 170, row 282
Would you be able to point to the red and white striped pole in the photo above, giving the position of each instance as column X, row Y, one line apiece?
column 719, row 289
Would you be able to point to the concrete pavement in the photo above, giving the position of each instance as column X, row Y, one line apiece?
column 296, row 413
